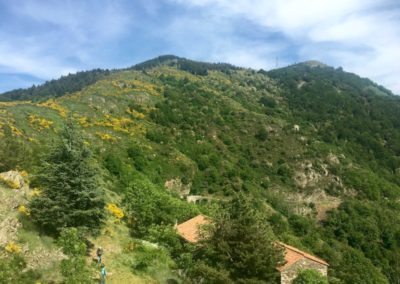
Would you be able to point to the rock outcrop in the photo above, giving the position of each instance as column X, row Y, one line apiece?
column 13, row 179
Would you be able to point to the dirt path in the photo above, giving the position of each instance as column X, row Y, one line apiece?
column 113, row 240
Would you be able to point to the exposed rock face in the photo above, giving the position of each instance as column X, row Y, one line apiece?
column 332, row 159
column 13, row 194
column 176, row 185
column 316, row 177
column 308, row 176
column 8, row 230
column 321, row 201
column 13, row 179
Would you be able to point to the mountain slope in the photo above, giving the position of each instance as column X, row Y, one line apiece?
column 319, row 148
column 56, row 88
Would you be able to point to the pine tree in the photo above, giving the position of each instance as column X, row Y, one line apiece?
column 70, row 196
column 242, row 243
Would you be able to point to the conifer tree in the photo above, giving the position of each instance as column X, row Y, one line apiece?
column 241, row 243
column 70, row 196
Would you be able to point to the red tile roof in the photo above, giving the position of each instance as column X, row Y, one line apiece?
column 292, row 255
column 190, row 230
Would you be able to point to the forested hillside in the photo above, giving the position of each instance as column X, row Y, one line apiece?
column 309, row 154
column 56, row 88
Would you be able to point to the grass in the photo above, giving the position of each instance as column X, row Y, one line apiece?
column 120, row 255
column 40, row 252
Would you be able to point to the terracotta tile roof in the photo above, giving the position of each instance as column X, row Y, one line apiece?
column 293, row 255
column 189, row 230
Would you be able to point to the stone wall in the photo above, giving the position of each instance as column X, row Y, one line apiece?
column 290, row 273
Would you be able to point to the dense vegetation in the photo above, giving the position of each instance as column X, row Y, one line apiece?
column 240, row 247
column 56, row 88
column 312, row 152
column 361, row 118
column 310, row 277
column 71, row 196
column 194, row 67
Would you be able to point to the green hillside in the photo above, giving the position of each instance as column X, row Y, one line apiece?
column 314, row 150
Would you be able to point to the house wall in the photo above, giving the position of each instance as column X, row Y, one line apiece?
column 290, row 273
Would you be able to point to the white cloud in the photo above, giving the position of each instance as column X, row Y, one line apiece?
column 31, row 61
column 52, row 37
column 84, row 20
column 363, row 36
column 59, row 37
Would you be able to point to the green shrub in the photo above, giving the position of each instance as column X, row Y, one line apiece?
column 74, row 268
column 147, row 205
column 148, row 257
column 13, row 270
column 310, row 276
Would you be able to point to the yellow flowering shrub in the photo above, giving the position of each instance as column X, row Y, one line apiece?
column 135, row 113
column 15, row 131
column 10, row 183
column 24, row 210
column 40, row 122
column 84, row 121
column 120, row 124
column 52, row 104
column 106, row 137
column 36, row 192
column 115, row 210
column 12, row 247
column 146, row 87
column 137, row 85
column 15, row 103
column 25, row 176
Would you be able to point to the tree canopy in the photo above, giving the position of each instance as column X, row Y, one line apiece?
column 71, row 195
column 240, row 245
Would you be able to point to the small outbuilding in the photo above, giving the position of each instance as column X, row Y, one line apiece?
column 297, row 260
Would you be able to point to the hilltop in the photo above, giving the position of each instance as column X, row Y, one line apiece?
column 316, row 147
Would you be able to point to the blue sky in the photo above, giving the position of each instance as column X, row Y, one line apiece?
column 44, row 39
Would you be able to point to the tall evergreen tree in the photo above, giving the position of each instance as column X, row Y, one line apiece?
column 71, row 196
column 241, row 243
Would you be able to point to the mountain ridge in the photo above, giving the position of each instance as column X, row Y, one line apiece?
column 317, row 150
column 69, row 84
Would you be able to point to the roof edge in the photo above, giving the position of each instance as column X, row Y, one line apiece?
column 304, row 254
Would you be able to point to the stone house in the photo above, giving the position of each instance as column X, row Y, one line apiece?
column 297, row 260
